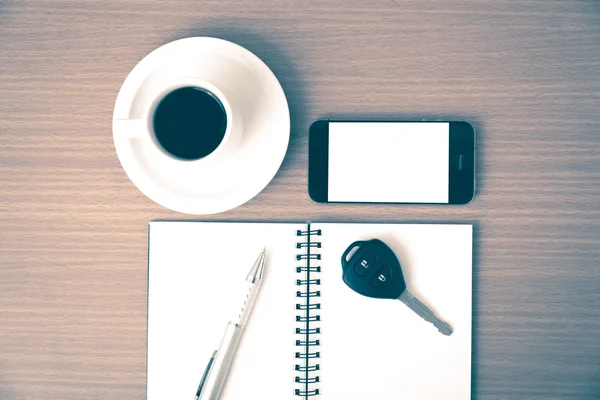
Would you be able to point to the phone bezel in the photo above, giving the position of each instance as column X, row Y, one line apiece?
column 461, row 188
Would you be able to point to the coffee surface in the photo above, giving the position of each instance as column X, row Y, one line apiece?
column 189, row 123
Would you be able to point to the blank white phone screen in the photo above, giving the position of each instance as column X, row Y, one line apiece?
column 388, row 162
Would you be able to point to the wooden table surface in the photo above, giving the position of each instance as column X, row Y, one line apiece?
column 73, row 227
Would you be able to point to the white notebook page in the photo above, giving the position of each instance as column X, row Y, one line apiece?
column 196, row 272
column 379, row 349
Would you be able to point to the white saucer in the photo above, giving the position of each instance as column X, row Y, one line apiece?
column 229, row 183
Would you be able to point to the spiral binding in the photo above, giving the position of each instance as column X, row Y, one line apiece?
column 308, row 290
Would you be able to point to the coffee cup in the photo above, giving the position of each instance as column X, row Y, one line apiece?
column 249, row 143
column 184, row 120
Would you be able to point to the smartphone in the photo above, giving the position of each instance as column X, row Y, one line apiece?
column 425, row 162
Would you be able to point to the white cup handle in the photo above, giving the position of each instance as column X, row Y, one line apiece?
column 131, row 128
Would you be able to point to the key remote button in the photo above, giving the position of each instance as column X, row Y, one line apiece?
column 382, row 277
column 365, row 264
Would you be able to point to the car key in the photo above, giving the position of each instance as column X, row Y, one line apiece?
column 374, row 271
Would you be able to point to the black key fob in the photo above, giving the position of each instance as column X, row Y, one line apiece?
column 373, row 270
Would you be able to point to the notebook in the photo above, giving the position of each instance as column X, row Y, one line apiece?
column 367, row 348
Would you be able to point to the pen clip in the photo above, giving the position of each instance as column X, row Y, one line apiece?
column 205, row 375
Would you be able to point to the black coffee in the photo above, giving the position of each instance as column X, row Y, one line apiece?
column 189, row 123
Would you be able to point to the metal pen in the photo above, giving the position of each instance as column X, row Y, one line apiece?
column 215, row 374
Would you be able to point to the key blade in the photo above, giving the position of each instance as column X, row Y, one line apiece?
column 424, row 312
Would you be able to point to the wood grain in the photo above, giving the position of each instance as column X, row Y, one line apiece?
column 73, row 227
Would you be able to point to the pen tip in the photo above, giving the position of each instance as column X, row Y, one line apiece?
column 256, row 273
